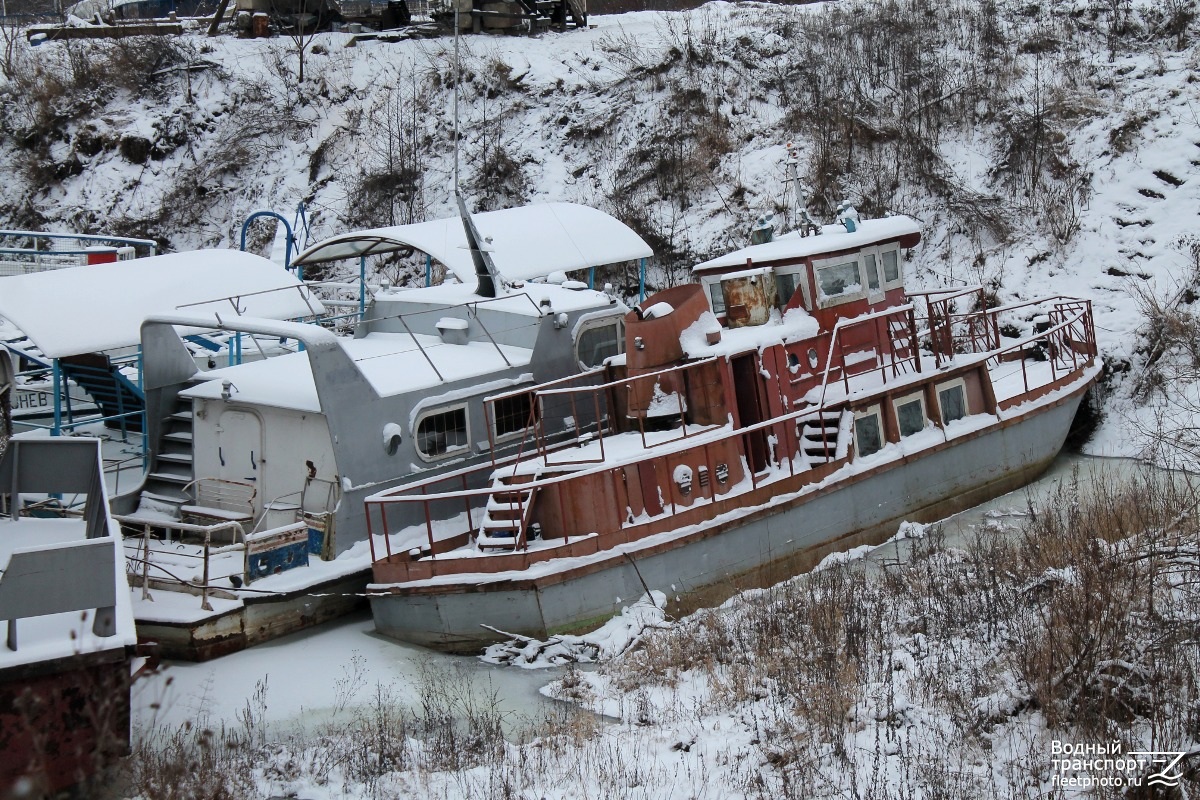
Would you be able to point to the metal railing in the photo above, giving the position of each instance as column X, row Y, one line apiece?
column 204, row 557
column 1068, row 341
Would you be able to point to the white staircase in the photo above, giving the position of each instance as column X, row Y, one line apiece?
column 507, row 515
column 819, row 437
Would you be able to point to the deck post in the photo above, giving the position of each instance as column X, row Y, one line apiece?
column 428, row 270
column 641, row 280
column 146, row 563
column 58, row 385
column 204, row 604
column 362, row 287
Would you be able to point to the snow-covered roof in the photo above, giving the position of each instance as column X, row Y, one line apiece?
column 101, row 307
column 526, row 242
column 393, row 363
column 831, row 239
column 523, row 301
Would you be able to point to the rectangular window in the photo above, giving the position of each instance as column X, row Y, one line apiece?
column 512, row 414
column 839, row 279
column 785, row 286
column 891, row 265
column 952, row 399
column 598, row 341
column 872, row 271
column 717, row 296
column 910, row 414
column 442, row 432
column 868, row 433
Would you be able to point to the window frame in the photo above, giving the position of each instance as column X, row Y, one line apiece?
column 504, row 437
column 800, row 273
column 612, row 320
column 898, row 281
column 449, row 452
column 904, row 400
column 828, row 301
column 956, row 383
column 870, row 411
column 708, row 282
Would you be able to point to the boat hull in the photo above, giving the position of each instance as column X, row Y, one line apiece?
column 768, row 545
column 257, row 620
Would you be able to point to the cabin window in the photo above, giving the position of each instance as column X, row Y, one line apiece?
column 838, row 280
column 868, row 432
column 716, row 297
column 597, row 341
column 872, row 271
column 441, row 433
column 952, row 401
column 785, row 286
column 910, row 414
column 511, row 414
column 891, row 265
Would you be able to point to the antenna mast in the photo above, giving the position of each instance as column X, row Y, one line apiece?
column 457, row 81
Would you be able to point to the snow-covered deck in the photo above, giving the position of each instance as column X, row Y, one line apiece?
column 69, row 633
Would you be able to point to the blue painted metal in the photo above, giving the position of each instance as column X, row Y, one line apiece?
column 57, row 429
column 316, row 541
column 362, row 286
column 280, row 559
column 287, row 226
column 428, row 270
column 300, row 223
column 206, row 343
column 642, row 280
column 591, row 277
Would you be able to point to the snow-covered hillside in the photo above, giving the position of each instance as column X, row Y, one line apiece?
column 1045, row 147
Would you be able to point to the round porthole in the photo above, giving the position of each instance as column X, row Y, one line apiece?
column 813, row 358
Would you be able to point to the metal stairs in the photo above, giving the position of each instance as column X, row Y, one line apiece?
column 172, row 468
column 117, row 396
column 901, row 344
column 507, row 515
column 819, row 437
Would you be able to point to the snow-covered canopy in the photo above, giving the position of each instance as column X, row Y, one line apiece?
column 526, row 242
column 832, row 239
column 101, row 307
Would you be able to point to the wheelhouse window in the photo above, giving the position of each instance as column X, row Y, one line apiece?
column 868, row 432
column 511, row 414
column 872, row 271
column 785, row 286
column 442, row 433
column 716, row 296
column 841, row 281
column 952, row 401
column 597, row 341
column 891, row 265
column 910, row 414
